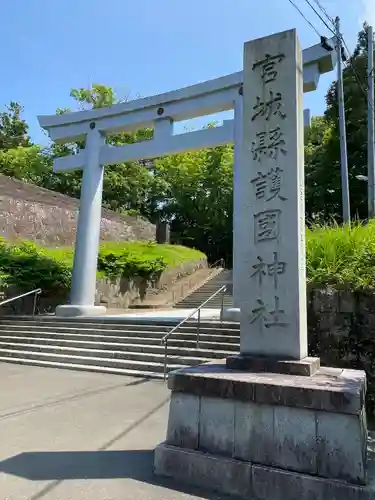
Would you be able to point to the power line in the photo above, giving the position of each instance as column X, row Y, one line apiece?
column 351, row 65
column 305, row 18
column 338, row 35
column 320, row 17
column 324, row 12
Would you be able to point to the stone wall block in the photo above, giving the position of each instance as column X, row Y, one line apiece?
column 183, row 421
column 216, row 426
column 346, row 302
column 253, row 432
column 295, row 439
column 341, row 447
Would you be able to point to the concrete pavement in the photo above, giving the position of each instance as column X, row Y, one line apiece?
column 167, row 314
column 82, row 436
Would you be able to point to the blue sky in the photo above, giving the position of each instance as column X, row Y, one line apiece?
column 143, row 47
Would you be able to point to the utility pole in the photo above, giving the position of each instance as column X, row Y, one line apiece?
column 370, row 126
column 343, row 149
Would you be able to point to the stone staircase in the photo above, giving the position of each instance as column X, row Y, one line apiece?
column 128, row 347
column 199, row 295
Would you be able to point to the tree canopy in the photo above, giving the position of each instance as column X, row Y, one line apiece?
column 322, row 144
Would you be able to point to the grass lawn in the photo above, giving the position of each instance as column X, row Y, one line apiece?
column 27, row 266
column 173, row 255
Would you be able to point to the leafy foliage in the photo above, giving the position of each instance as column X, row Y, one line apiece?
column 198, row 199
column 27, row 164
column 128, row 186
column 13, row 130
column 28, row 266
column 323, row 160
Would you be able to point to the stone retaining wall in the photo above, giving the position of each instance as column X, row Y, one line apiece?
column 119, row 293
column 49, row 218
column 341, row 328
column 123, row 292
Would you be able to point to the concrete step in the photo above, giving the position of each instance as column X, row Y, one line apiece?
column 104, row 354
column 208, row 292
column 82, row 367
column 146, row 331
column 222, row 337
column 203, row 293
column 126, row 346
column 123, row 364
column 124, row 326
column 40, row 342
column 195, row 305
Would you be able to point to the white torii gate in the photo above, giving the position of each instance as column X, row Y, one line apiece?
column 158, row 112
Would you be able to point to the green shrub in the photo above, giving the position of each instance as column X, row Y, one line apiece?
column 28, row 266
column 147, row 260
column 123, row 263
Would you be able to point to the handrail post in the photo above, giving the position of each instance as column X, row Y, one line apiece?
column 36, row 292
column 34, row 304
column 222, row 306
column 164, row 340
column 198, row 328
column 165, row 358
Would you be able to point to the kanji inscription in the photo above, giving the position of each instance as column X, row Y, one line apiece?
column 267, row 186
column 269, row 107
column 268, row 144
column 269, row 316
column 276, row 267
column 266, row 225
column 268, row 67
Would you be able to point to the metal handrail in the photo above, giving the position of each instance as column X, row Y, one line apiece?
column 164, row 340
column 37, row 292
column 219, row 261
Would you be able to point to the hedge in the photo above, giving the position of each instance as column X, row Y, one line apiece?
column 27, row 266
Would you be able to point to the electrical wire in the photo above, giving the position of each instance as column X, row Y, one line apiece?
column 339, row 36
column 320, row 17
column 325, row 13
column 350, row 64
column 305, row 18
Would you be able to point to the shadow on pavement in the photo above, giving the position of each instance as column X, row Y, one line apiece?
column 63, row 465
column 86, row 465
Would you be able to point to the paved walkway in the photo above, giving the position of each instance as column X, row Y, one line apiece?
column 82, row 436
column 165, row 314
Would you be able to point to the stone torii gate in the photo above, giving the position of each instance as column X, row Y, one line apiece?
column 158, row 112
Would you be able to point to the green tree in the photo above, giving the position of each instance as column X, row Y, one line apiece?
column 322, row 176
column 197, row 199
column 27, row 164
column 13, row 130
column 97, row 96
column 126, row 186
column 356, row 133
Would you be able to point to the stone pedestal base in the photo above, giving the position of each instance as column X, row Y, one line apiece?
column 257, row 424
column 251, row 481
column 76, row 311
column 306, row 366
